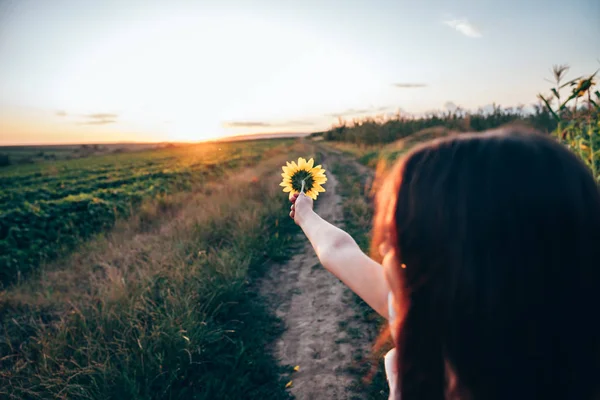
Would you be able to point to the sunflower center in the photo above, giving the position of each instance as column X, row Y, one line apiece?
column 300, row 176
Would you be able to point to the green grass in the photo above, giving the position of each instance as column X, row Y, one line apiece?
column 50, row 208
column 165, row 312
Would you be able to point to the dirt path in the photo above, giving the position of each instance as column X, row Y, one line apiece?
column 325, row 334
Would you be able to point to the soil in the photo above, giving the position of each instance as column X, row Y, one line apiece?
column 325, row 335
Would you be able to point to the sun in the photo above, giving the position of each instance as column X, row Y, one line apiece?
column 303, row 177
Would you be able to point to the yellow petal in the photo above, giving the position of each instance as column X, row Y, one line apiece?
column 287, row 189
column 310, row 163
column 301, row 162
column 297, row 368
column 289, row 384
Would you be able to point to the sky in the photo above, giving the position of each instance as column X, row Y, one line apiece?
column 74, row 71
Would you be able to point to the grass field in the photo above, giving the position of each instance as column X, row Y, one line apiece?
column 31, row 154
column 161, row 310
column 151, row 290
column 50, row 207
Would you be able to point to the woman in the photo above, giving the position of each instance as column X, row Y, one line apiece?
column 490, row 276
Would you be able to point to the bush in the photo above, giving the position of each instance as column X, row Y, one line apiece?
column 4, row 160
column 386, row 129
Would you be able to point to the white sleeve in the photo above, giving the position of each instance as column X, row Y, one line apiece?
column 391, row 372
column 390, row 362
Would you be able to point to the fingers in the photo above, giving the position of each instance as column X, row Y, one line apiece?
column 295, row 196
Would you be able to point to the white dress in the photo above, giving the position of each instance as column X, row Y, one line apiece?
column 391, row 373
column 391, row 366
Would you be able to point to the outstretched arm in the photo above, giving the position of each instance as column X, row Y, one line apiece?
column 341, row 256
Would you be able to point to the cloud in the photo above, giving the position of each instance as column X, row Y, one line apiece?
column 353, row 111
column 101, row 116
column 247, row 124
column 463, row 26
column 265, row 124
column 409, row 85
column 61, row 113
column 99, row 119
column 99, row 122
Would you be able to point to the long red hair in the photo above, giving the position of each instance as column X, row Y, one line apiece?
column 498, row 233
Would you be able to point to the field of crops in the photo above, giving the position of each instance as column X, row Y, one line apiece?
column 50, row 207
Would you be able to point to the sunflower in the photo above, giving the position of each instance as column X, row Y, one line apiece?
column 583, row 86
column 303, row 177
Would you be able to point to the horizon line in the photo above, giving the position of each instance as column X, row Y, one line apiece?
column 222, row 138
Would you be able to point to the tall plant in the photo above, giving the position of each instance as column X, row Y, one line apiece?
column 577, row 115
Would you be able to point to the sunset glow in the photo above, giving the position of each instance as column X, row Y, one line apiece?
column 177, row 72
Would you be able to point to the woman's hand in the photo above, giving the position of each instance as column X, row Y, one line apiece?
column 302, row 205
column 341, row 256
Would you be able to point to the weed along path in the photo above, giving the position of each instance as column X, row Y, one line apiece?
column 325, row 334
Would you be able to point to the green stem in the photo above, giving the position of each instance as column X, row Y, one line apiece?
column 592, row 150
